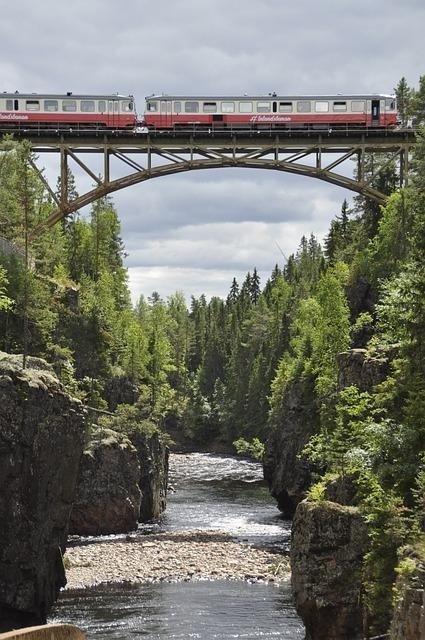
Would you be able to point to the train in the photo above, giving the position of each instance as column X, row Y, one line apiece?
column 67, row 111
column 165, row 113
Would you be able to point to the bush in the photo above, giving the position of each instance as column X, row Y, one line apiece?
column 254, row 449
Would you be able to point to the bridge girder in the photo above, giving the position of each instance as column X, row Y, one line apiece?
column 305, row 154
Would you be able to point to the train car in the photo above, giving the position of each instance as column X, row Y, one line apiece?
column 66, row 111
column 271, row 111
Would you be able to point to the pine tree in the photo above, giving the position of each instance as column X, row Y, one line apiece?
column 254, row 287
column 233, row 295
column 404, row 95
column 418, row 103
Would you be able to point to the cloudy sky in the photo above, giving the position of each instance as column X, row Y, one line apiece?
column 195, row 231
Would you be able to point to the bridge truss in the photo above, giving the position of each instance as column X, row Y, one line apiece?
column 128, row 158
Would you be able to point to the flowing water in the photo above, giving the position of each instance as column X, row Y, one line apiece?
column 208, row 492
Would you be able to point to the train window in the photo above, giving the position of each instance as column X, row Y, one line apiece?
column 210, row 107
column 190, row 106
column 101, row 106
column 357, row 105
column 263, row 107
column 389, row 105
column 87, row 105
column 227, row 107
column 32, row 105
column 177, row 106
column 340, row 105
column 322, row 106
column 51, row 105
column 285, row 107
column 303, row 106
column 69, row 105
column 116, row 106
column 152, row 106
column 126, row 105
column 245, row 107
column 9, row 105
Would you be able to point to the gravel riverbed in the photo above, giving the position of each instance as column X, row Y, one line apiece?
column 172, row 556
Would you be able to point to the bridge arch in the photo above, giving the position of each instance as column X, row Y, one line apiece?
column 315, row 154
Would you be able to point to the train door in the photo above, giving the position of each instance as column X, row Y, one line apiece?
column 166, row 117
column 113, row 109
column 375, row 112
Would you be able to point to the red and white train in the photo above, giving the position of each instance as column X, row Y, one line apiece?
column 283, row 112
column 67, row 111
column 164, row 113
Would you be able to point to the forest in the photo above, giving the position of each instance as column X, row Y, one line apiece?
column 215, row 374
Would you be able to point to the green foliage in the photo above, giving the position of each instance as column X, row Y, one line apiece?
column 130, row 419
column 253, row 449
column 340, row 447
column 317, row 492
column 6, row 303
column 388, row 250
column 388, row 529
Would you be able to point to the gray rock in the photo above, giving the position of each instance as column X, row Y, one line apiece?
column 357, row 367
column 287, row 473
column 153, row 457
column 108, row 497
column 120, row 390
column 41, row 441
column 408, row 621
column 328, row 544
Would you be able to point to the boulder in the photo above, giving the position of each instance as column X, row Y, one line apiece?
column 107, row 498
column 328, row 544
column 41, row 440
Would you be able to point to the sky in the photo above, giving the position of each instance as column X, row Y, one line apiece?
column 195, row 231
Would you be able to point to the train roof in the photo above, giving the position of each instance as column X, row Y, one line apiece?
column 334, row 96
column 64, row 96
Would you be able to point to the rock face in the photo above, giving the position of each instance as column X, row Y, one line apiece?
column 122, row 481
column 153, row 456
column 120, row 390
column 41, row 441
column 409, row 612
column 288, row 475
column 328, row 543
column 108, row 497
column 356, row 367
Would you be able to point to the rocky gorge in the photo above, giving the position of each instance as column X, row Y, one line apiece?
column 107, row 483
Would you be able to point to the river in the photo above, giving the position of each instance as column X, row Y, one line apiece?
column 208, row 492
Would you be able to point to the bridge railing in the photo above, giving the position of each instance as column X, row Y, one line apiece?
column 46, row 632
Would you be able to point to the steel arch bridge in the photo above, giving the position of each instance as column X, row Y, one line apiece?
column 317, row 154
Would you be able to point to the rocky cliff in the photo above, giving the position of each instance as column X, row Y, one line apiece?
column 107, row 499
column 356, row 367
column 153, row 456
column 409, row 612
column 329, row 538
column 122, row 481
column 328, row 544
column 286, row 472
column 41, row 441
